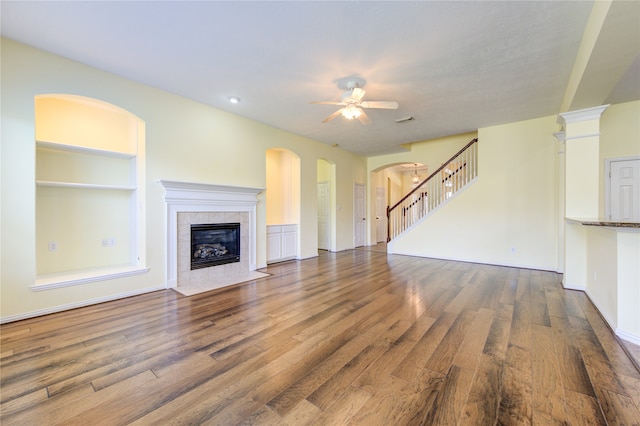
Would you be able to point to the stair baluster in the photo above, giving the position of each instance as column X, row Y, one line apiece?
column 454, row 175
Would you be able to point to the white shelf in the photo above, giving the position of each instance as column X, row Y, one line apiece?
column 66, row 279
column 89, row 180
column 83, row 150
column 53, row 184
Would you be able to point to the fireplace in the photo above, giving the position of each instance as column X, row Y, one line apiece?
column 190, row 203
column 214, row 244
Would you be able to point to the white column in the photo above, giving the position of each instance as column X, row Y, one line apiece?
column 581, row 183
column 582, row 158
column 560, row 137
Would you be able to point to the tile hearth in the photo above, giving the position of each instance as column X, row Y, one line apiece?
column 214, row 277
column 198, row 203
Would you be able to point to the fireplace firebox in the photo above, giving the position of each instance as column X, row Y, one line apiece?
column 214, row 244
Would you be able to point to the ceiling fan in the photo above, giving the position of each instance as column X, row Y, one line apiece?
column 352, row 104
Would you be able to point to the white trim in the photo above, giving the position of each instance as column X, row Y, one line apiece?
column 609, row 321
column 81, row 304
column 628, row 336
column 193, row 197
column 364, row 213
column 586, row 135
column 179, row 190
column 48, row 282
column 586, row 114
column 572, row 286
column 607, row 181
column 84, row 185
column 58, row 146
column 618, row 332
column 560, row 136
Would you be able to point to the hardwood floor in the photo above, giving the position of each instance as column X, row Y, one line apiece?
column 356, row 337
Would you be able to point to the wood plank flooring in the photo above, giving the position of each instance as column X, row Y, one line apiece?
column 357, row 337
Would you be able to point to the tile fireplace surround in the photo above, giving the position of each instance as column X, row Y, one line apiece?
column 197, row 203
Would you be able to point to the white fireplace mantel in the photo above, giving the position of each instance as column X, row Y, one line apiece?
column 195, row 197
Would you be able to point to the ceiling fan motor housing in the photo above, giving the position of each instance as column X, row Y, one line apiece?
column 346, row 97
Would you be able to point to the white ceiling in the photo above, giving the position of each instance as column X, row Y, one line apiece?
column 454, row 66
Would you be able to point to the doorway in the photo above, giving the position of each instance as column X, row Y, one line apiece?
column 622, row 189
column 381, row 216
column 359, row 219
column 324, row 218
column 326, row 204
column 282, row 205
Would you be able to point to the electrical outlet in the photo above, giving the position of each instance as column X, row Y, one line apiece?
column 513, row 250
column 107, row 242
column 53, row 245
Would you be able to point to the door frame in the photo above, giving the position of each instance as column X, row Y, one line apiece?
column 356, row 216
column 607, row 181
column 381, row 197
column 328, row 209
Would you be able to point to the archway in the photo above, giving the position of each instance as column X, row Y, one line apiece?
column 326, row 192
column 282, row 204
column 90, row 190
column 388, row 184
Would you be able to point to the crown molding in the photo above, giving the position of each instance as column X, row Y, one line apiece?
column 581, row 115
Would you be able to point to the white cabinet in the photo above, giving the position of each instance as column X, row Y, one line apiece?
column 282, row 242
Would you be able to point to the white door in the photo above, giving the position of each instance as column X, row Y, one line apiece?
column 381, row 216
column 625, row 190
column 359, row 219
column 324, row 220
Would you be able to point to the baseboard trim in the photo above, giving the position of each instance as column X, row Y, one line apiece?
column 618, row 334
column 60, row 308
column 632, row 338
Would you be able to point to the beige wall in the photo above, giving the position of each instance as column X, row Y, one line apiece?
column 601, row 271
column 283, row 187
column 619, row 137
column 432, row 153
column 511, row 207
column 608, row 268
column 513, row 204
column 611, row 276
column 185, row 141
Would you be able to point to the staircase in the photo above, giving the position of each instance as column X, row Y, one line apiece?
column 452, row 177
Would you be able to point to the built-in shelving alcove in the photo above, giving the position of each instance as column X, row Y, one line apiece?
column 89, row 191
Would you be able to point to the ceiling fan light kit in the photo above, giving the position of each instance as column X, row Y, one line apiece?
column 352, row 103
column 350, row 112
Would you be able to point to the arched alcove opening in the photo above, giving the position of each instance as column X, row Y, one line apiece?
column 90, row 191
column 389, row 183
column 282, row 204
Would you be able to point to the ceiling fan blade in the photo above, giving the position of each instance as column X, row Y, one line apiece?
column 357, row 93
column 379, row 104
column 328, row 103
column 332, row 116
column 364, row 118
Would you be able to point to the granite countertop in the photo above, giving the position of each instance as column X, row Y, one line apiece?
column 603, row 222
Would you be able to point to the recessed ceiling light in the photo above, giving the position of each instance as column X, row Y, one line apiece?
column 234, row 99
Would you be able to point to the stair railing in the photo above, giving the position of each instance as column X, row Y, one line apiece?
column 451, row 177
